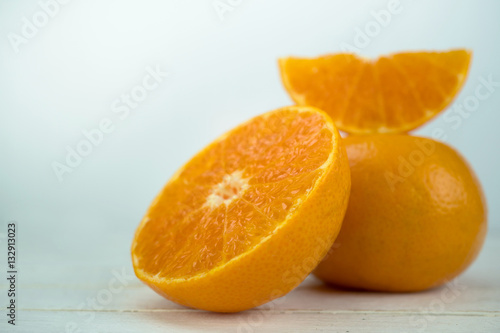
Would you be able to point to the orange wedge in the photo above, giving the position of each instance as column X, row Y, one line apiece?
column 250, row 216
column 392, row 94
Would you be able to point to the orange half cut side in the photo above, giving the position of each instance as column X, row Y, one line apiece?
column 250, row 216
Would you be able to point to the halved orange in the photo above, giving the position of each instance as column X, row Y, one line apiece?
column 250, row 216
column 392, row 94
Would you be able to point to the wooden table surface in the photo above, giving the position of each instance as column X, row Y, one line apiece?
column 71, row 284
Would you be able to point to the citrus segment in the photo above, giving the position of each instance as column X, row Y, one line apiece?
column 392, row 94
column 252, row 188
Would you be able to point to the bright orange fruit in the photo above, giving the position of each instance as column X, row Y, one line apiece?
column 250, row 216
column 392, row 94
column 416, row 216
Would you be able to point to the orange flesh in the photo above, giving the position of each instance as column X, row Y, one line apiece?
column 232, row 195
column 394, row 93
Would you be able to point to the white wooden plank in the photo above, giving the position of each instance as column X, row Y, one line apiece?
column 250, row 321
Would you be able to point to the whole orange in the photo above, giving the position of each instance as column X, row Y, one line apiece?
column 416, row 216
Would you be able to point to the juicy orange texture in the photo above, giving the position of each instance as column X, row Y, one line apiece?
column 392, row 94
column 249, row 216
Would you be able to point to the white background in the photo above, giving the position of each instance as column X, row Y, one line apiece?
column 221, row 72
